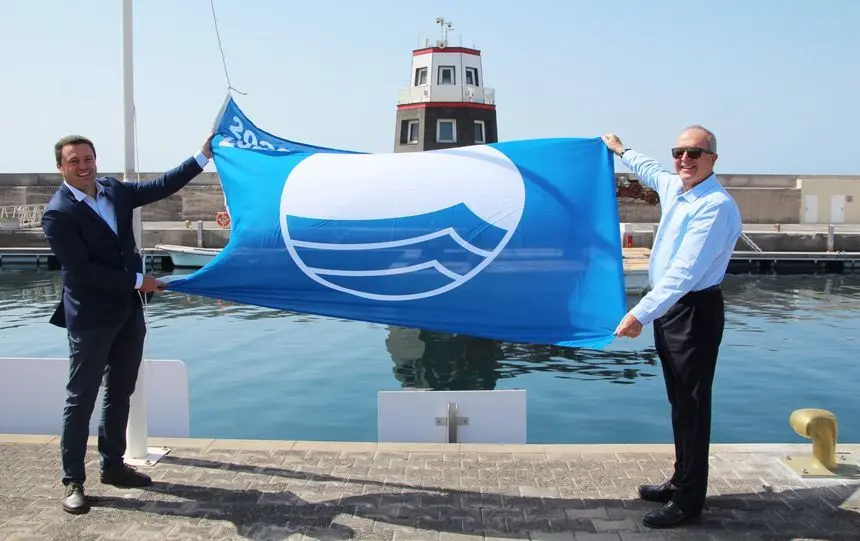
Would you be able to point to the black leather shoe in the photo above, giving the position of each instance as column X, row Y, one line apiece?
column 125, row 477
column 667, row 516
column 657, row 493
column 75, row 501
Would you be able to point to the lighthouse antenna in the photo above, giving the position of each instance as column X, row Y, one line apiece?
column 444, row 28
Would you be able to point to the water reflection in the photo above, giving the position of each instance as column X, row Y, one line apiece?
column 767, row 296
column 310, row 366
column 40, row 291
column 771, row 294
column 442, row 361
column 26, row 296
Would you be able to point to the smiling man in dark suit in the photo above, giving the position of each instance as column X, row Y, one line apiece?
column 88, row 225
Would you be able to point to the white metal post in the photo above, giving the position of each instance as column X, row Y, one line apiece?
column 136, row 431
column 137, row 451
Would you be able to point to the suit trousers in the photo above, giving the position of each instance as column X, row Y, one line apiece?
column 111, row 355
column 688, row 339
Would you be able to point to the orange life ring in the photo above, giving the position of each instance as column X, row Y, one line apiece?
column 222, row 219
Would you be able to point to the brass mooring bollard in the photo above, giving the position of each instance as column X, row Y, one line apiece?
column 821, row 427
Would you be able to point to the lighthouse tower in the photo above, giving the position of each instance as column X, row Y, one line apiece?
column 446, row 104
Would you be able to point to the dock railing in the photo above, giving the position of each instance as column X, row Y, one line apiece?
column 749, row 242
column 21, row 216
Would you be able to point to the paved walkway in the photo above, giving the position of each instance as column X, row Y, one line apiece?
column 231, row 489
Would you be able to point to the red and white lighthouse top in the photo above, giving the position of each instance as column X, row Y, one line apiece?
column 448, row 75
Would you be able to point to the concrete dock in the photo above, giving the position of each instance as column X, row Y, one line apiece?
column 236, row 489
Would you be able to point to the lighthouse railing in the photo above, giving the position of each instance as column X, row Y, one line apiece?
column 441, row 93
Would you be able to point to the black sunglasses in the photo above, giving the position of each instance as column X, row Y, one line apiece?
column 693, row 152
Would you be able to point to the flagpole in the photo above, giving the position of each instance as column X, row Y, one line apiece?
column 136, row 431
column 128, row 100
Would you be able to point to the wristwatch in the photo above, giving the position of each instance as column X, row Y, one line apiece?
column 625, row 149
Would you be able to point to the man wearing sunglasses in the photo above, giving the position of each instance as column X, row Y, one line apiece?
column 698, row 229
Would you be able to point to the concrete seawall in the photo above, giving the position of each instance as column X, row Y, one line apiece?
column 763, row 199
column 757, row 206
column 200, row 200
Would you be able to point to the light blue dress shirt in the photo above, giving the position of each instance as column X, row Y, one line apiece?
column 103, row 206
column 695, row 239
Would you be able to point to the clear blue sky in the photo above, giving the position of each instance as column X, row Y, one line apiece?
column 777, row 80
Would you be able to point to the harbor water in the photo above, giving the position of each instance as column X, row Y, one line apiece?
column 790, row 342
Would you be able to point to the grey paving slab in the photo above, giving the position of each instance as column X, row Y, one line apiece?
column 221, row 489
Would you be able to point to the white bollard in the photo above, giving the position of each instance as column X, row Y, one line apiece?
column 200, row 233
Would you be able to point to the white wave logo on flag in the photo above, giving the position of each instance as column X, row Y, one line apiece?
column 397, row 227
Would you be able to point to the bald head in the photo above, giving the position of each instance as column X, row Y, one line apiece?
column 695, row 154
column 709, row 136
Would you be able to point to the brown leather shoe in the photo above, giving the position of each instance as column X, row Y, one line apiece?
column 125, row 477
column 75, row 501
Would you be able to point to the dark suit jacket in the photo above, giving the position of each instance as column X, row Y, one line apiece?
column 99, row 268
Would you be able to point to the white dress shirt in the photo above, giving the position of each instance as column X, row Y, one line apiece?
column 695, row 239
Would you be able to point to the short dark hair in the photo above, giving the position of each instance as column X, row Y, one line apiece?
column 71, row 140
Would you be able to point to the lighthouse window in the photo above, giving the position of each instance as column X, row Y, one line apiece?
column 446, row 75
column 446, row 131
column 480, row 132
column 420, row 76
column 412, row 137
column 472, row 76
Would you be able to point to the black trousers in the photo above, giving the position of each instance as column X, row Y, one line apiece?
column 688, row 339
column 109, row 353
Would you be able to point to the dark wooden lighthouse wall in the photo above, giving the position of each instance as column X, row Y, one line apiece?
column 427, row 116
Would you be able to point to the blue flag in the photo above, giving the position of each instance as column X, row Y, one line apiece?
column 239, row 131
column 514, row 241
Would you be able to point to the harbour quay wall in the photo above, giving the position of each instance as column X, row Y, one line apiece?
column 757, row 206
column 199, row 200
column 762, row 199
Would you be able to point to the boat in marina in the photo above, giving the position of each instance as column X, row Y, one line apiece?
column 188, row 257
